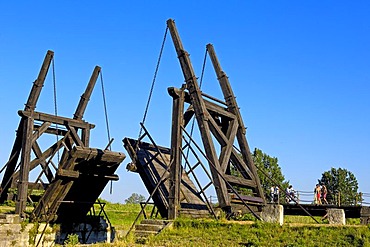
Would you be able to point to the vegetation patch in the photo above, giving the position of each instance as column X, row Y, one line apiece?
column 208, row 233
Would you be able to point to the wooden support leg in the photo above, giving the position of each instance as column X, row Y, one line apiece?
column 175, row 162
column 25, row 167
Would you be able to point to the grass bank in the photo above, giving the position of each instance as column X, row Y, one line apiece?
column 297, row 231
column 222, row 233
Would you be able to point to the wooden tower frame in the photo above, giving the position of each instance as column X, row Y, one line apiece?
column 224, row 123
column 32, row 126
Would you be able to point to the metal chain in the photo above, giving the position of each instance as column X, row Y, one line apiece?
column 153, row 82
column 105, row 107
column 55, row 103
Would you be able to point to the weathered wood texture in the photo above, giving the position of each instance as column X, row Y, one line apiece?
column 151, row 167
column 233, row 107
column 220, row 128
column 19, row 143
column 78, row 165
column 78, row 183
column 175, row 157
column 201, row 114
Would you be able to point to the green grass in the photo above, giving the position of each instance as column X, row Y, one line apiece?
column 209, row 232
column 219, row 233
column 122, row 216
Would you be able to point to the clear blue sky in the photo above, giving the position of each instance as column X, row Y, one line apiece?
column 299, row 69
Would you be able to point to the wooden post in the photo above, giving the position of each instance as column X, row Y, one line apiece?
column 176, row 144
column 24, row 167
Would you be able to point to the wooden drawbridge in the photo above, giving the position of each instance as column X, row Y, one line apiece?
column 152, row 164
column 224, row 147
column 72, row 182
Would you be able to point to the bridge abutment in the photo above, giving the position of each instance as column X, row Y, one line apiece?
column 273, row 213
column 336, row 216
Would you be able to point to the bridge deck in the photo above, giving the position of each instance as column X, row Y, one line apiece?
column 320, row 210
column 152, row 163
column 79, row 182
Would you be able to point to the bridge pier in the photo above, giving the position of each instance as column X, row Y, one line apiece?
column 273, row 213
column 336, row 216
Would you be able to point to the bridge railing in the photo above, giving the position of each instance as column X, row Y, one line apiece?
column 308, row 197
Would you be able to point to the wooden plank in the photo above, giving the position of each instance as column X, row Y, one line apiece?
column 68, row 173
column 150, row 167
column 92, row 153
column 239, row 181
column 75, row 175
column 24, row 167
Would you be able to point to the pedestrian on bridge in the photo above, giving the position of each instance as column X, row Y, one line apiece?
column 324, row 192
column 274, row 193
column 317, row 192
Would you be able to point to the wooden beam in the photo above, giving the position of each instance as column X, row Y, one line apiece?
column 228, row 147
column 212, row 107
column 188, row 115
column 85, row 97
column 234, row 180
column 240, row 165
column 92, row 153
column 39, row 116
column 74, row 136
column 45, row 168
column 39, row 131
column 11, row 164
column 24, row 167
column 39, row 82
column 218, row 109
column 175, row 160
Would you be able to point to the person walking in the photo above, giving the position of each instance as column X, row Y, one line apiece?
column 324, row 192
column 276, row 194
column 272, row 194
column 317, row 192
